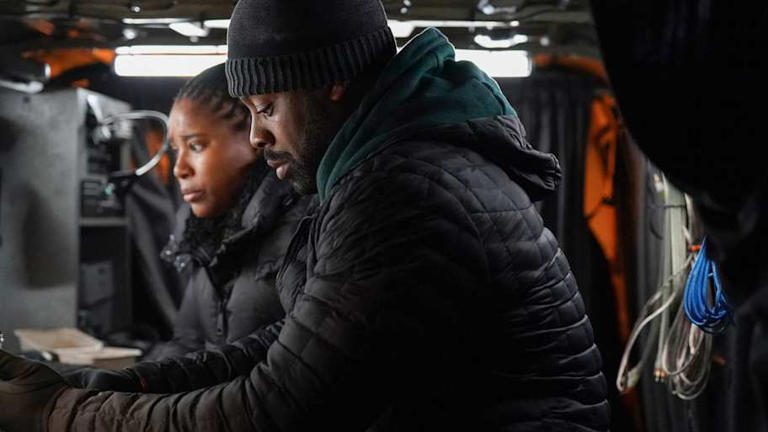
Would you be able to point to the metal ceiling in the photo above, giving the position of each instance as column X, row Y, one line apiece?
column 553, row 25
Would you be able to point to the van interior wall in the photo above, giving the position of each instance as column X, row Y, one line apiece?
column 44, row 165
column 34, row 184
column 151, row 207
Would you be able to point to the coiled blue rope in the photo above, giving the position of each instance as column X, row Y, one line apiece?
column 714, row 318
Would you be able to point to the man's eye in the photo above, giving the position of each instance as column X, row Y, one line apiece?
column 196, row 146
column 266, row 111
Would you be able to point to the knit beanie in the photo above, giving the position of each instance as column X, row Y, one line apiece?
column 286, row 45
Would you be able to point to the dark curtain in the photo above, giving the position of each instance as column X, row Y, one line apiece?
column 555, row 108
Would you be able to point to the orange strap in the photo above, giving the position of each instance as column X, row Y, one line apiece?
column 599, row 206
column 591, row 66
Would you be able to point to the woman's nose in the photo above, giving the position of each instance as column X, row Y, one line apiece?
column 181, row 169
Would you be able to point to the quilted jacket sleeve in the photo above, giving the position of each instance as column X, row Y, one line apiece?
column 396, row 261
column 206, row 368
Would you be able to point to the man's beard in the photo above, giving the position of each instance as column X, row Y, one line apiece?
column 319, row 131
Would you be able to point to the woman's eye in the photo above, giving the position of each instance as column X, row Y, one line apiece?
column 196, row 146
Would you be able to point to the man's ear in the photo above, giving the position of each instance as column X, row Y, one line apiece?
column 338, row 91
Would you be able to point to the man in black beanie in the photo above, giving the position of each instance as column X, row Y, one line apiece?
column 425, row 292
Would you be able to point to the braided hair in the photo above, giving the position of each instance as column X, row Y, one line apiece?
column 209, row 89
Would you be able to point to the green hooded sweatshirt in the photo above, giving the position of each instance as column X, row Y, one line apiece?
column 423, row 87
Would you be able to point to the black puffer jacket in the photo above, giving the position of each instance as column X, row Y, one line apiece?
column 432, row 296
column 435, row 300
column 496, row 333
column 231, row 289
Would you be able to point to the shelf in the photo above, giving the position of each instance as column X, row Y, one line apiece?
column 103, row 222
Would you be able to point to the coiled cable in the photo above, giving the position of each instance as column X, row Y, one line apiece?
column 712, row 318
column 683, row 350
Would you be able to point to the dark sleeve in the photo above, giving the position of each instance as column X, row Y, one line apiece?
column 395, row 261
column 206, row 368
column 187, row 332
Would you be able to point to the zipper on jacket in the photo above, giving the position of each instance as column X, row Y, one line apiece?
column 221, row 319
column 224, row 294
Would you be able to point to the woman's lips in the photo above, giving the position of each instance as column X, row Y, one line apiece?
column 191, row 196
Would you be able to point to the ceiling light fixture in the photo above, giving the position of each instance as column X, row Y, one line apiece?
column 151, row 21
column 499, row 64
column 171, row 49
column 216, row 24
column 189, row 29
column 486, row 41
column 461, row 24
column 130, row 33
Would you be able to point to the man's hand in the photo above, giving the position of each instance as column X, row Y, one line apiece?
column 27, row 392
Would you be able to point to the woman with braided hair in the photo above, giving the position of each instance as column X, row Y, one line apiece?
column 229, row 241
column 239, row 223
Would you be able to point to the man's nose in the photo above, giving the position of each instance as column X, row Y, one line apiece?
column 260, row 137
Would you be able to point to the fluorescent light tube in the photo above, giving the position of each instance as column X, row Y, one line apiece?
column 131, row 63
column 216, row 24
column 189, row 29
column 168, row 65
column 172, row 49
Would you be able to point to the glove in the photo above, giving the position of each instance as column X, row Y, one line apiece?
column 28, row 390
column 104, row 380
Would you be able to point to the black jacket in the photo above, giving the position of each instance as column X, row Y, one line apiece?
column 231, row 289
column 433, row 299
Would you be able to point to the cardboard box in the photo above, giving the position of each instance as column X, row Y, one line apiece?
column 72, row 346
